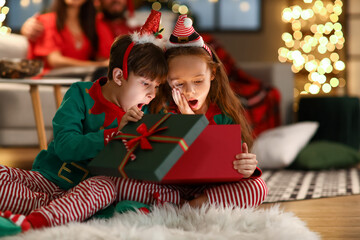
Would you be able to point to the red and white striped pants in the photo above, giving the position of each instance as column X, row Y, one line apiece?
column 243, row 194
column 28, row 192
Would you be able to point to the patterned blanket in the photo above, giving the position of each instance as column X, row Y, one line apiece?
column 262, row 104
column 290, row 185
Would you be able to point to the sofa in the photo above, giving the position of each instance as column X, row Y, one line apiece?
column 17, row 125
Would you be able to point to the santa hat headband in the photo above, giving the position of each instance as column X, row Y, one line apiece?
column 149, row 33
column 184, row 35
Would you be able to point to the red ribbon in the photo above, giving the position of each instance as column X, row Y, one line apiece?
column 144, row 142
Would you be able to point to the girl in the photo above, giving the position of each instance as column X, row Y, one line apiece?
column 59, row 189
column 69, row 37
column 199, row 85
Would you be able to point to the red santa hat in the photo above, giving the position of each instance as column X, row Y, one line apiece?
column 149, row 33
column 184, row 35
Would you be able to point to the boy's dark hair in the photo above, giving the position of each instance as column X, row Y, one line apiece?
column 145, row 60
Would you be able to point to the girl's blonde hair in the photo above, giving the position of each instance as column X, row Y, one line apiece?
column 220, row 90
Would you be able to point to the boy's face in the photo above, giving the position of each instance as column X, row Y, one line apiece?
column 137, row 91
column 191, row 75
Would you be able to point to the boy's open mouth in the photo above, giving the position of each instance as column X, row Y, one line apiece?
column 140, row 105
column 193, row 103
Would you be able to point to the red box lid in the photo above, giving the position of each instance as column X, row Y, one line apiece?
column 210, row 157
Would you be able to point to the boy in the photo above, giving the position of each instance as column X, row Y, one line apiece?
column 59, row 189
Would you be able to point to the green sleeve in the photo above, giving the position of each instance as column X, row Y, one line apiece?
column 222, row 119
column 71, row 143
column 146, row 110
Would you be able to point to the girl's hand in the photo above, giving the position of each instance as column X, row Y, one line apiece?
column 181, row 102
column 134, row 114
column 246, row 162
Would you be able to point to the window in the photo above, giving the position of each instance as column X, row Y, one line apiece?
column 225, row 15
column 21, row 10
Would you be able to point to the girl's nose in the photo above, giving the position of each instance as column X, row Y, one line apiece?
column 189, row 90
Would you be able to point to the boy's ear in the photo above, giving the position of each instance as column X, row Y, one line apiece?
column 117, row 76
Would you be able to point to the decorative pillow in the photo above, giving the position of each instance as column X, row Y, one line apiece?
column 278, row 147
column 326, row 155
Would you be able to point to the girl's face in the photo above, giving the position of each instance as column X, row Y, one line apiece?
column 192, row 76
column 137, row 91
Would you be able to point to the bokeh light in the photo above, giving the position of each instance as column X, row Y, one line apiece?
column 314, row 44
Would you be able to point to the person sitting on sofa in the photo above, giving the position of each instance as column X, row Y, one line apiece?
column 110, row 22
column 68, row 39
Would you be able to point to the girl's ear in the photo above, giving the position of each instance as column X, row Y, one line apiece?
column 213, row 74
column 117, row 76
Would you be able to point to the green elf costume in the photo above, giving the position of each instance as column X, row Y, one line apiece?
column 59, row 188
column 59, row 182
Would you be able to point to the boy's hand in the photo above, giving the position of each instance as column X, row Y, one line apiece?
column 246, row 162
column 181, row 102
column 134, row 114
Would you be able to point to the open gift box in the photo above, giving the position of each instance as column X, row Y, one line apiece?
column 172, row 149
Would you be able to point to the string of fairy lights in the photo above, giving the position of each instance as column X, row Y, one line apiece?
column 175, row 6
column 4, row 10
column 26, row 3
column 314, row 44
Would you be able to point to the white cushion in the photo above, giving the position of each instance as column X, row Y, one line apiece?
column 278, row 147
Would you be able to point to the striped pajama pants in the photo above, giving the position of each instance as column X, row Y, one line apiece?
column 246, row 193
column 28, row 192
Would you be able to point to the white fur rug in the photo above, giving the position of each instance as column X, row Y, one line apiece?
column 168, row 222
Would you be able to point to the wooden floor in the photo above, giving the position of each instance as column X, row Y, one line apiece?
column 333, row 218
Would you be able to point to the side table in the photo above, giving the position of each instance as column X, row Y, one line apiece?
column 36, row 102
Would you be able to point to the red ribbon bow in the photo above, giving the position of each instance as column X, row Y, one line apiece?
column 143, row 138
column 143, row 141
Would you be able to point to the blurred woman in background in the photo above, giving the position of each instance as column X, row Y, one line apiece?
column 69, row 37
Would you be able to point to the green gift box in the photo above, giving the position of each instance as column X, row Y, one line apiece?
column 147, row 150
